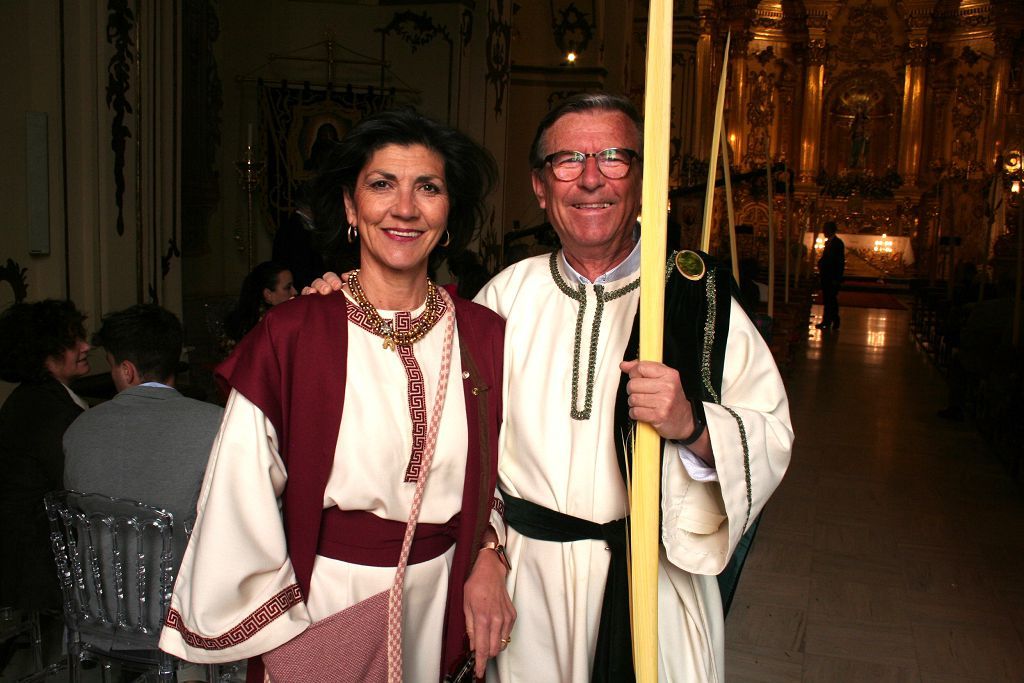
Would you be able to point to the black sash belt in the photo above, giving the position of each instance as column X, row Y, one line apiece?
column 613, row 661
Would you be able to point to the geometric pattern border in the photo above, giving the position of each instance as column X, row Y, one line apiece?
column 247, row 628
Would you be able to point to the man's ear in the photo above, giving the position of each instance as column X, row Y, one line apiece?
column 130, row 373
column 538, row 188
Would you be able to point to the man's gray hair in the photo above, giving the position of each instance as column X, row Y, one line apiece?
column 582, row 102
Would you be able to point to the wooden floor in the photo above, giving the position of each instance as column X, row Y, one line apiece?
column 894, row 548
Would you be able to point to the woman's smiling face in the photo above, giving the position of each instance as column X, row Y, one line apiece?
column 400, row 206
column 70, row 363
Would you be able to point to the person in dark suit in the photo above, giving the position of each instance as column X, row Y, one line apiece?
column 830, row 270
column 149, row 443
column 43, row 348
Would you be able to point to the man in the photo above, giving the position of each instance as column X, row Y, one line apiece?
column 570, row 402
column 830, row 268
column 718, row 403
column 149, row 443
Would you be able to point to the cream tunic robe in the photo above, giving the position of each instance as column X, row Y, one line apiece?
column 237, row 559
column 570, row 466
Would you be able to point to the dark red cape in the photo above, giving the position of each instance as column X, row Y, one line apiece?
column 292, row 367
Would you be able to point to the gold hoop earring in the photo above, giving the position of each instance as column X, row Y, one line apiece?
column 447, row 238
column 353, row 233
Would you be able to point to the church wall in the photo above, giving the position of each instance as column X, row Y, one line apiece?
column 29, row 61
column 251, row 32
column 100, row 245
column 436, row 58
column 87, row 260
column 29, row 58
column 541, row 77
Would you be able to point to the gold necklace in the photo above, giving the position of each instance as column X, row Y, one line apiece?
column 385, row 328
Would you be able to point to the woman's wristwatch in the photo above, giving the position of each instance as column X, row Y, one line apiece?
column 500, row 550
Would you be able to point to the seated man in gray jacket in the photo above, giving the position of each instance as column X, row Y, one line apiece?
column 149, row 443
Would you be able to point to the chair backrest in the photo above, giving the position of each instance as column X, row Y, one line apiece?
column 116, row 565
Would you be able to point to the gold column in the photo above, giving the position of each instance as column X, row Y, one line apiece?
column 912, row 125
column 684, row 108
column 703, row 100
column 736, row 127
column 811, row 129
column 684, row 51
column 996, row 128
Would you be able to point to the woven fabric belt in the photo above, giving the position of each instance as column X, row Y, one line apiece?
column 613, row 660
column 362, row 537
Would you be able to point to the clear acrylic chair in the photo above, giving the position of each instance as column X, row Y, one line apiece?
column 116, row 565
column 16, row 624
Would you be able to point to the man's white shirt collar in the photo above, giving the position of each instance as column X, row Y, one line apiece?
column 628, row 267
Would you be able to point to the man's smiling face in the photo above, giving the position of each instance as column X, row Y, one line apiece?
column 593, row 215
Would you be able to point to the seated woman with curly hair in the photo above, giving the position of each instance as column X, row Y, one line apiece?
column 42, row 348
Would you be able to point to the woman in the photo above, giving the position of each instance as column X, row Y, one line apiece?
column 332, row 396
column 267, row 285
column 42, row 346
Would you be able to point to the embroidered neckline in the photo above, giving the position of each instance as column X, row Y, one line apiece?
column 386, row 329
column 403, row 323
column 580, row 295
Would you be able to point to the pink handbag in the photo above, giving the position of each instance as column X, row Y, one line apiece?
column 351, row 645
column 364, row 642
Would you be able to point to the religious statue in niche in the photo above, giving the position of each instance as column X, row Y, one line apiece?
column 860, row 138
column 860, row 110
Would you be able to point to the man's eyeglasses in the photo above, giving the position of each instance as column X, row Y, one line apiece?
column 614, row 163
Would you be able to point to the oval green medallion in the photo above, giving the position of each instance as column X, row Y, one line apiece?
column 690, row 264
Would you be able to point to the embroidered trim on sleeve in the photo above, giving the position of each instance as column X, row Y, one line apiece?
column 705, row 374
column 246, row 629
column 746, row 463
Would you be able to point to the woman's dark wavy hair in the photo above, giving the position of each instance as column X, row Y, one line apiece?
column 31, row 333
column 251, row 304
column 470, row 173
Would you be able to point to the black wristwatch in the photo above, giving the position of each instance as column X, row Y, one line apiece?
column 698, row 428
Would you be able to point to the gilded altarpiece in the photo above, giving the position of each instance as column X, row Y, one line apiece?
column 861, row 132
column 862, row 96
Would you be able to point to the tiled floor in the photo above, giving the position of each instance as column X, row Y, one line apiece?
column 894, row 548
